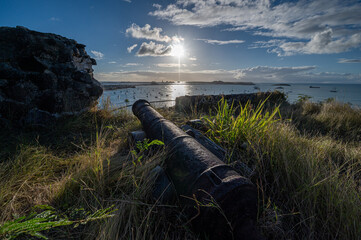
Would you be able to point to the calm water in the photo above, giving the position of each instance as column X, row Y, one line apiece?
column 348, row 93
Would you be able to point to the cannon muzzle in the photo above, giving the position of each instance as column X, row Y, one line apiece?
column 220, row 203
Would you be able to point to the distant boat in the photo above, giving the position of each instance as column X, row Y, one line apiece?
column 257, row 88
column 314, row 87
column 333, row 90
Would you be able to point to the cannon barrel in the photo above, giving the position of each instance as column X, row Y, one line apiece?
column 220, row 203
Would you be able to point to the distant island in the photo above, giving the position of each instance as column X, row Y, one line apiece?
column 115, row 87
column 231, row 83
column 108, row 86
column 281, row 84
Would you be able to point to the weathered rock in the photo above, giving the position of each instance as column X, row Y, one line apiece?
column 44, row 76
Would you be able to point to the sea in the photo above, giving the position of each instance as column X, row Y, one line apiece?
column 164, row 95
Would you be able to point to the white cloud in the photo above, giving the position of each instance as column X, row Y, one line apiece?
column 129, row 1
column 220, row 42
column 148, row 33
column 112, row 62
column 271, row 73
column 192, row 59
column 322, row 43
column 97, row 55
column 170, row 65
column 310, row 21
column 133, row 64
column 234, row 29
column 157, row 6
column 346, row 60
column 153, row 49
column 300, row 74
column 130, row 49
column 267, row 44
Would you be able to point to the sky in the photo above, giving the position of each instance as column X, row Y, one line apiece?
column 271, row 41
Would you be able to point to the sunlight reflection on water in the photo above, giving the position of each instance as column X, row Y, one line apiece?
column 178, row 90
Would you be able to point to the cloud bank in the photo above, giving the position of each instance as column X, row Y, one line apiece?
column 272, row 73
column 257, row 74
column 323, row 26
column 170, row 65
column 220, row 42
column 320, row 43
column 133, row 64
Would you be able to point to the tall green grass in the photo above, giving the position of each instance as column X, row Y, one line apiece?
column 309, row 186
column 234, row 125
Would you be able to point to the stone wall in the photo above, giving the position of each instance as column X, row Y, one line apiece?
column 205, row 103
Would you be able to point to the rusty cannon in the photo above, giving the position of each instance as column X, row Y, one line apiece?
column 219, row 203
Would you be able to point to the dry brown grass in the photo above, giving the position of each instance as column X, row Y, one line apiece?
column 94, row 170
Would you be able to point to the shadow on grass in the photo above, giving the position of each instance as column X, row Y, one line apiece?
column 66, row 136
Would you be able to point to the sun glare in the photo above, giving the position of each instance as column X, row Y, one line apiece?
column 177, row 50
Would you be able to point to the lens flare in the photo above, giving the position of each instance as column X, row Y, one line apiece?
column 177, row 50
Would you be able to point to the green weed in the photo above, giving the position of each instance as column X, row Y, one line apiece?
column 35, row 223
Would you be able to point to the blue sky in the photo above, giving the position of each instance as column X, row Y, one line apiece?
column 195, row 40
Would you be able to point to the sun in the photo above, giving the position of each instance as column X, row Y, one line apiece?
column 177, row 50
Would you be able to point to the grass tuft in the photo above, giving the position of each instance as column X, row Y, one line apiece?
column 233, row 126
column 309, row 185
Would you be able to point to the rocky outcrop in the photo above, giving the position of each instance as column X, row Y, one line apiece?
column 44, row 76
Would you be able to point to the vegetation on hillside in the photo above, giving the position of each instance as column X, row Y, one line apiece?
column 89, row 183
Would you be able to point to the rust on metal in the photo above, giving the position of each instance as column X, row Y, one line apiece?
column 220, row 203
